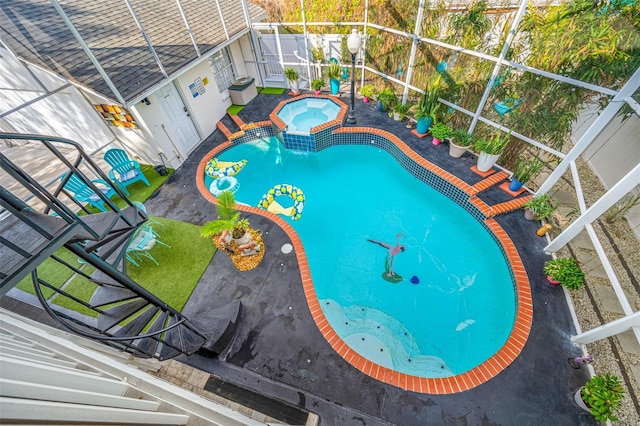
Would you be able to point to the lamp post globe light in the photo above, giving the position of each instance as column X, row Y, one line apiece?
column 353, row 43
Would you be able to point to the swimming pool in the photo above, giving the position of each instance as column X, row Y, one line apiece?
column 462, row 311
column 302, row 115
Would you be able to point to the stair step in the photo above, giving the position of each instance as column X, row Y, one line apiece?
column 115, row 315
column 110, row 247
column 110, row 222
column 180, row 337
column 218, row 325
column 102, row 278
column 510, row 205
column 149, row 345
column 138, row 324
column 487, row 183
column 236, row 119
column 224, row 129
column 105, row 295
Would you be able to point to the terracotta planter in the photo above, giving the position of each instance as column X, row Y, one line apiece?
column 486, row 161
column 456, row 151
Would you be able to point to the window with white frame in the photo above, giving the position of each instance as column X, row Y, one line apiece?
column 222, row 69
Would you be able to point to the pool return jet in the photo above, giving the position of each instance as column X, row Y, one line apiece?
column 388, row 274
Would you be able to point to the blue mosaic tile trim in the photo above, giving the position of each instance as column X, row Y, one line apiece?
column 256, row 133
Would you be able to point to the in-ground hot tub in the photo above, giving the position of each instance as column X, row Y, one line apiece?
column 306, row 120
column 304, row 114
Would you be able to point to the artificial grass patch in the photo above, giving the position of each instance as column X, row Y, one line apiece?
column 235, row 109
column 173, row 280
column 52, row 272
column 271, row 90
column 139, row 191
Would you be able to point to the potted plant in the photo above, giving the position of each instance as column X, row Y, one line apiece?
column 292, row 77
column 565, row 271
column 426, row 110
column 459, row 141
column 490, row 150
column 367, row 91
column 333, row 74
column 229, row 225
column 316, row 85
column 525, row 169
column 386, row 99
column 399, row 111
column 601, row 396
column 439, row 132
column 539, row 207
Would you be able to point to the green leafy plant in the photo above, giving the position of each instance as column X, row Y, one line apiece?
column 542, row 206
column 462, row 137
column 228, row 218
column 368, row 91
column 440, row 131
column 317, row 52
column 621, row 208
column 603, row 395
column 565, row 270
column 317, row 84
column 429, row 104
column 401, row 110
column 291, row 74
column 333, row 71
column 526, row 169
column 387, row 97
column 494, row 145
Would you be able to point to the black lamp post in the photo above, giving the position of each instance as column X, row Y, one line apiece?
column 353, row 43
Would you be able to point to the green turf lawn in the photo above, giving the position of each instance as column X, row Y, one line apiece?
column 173, row 280
column 52, row 272
column 271, row 90
column 139, row 191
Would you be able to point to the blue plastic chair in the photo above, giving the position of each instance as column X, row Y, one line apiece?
column 124, row 171
column 84, row 194
column 143, row 240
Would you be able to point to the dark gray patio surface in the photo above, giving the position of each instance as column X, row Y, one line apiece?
column 279, row 351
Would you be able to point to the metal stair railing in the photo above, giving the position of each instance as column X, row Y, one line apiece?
column 170, row 332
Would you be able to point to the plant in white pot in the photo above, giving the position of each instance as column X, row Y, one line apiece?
column 292, row 77
column 399, row 111
column 490, row 150
column 440, row 132
column 601, row 396
column 459, row 141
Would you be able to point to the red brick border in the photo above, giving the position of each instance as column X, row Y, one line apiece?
column 447, row 385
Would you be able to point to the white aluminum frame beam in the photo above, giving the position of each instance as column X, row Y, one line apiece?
column 496, row 68
column 146, row 38
column 189, row 31
column 609, row 329
column 87, row 50
column 594, row 130
column 412, row 55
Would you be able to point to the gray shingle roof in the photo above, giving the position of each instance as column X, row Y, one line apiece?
column 36, row 32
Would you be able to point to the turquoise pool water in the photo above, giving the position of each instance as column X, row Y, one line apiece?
column 463, row 309
column 304, row 114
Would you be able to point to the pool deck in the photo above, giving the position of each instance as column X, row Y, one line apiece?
column 280, row 352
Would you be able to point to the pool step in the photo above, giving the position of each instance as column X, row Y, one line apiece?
column 496, row 209
column 225, row 130
column 488, row 182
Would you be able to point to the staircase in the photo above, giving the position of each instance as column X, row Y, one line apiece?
column 129, row 317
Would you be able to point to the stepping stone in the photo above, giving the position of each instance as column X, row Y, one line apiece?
column 564, row 197
column 608, row 299
column 630, row 345
column 583, row 241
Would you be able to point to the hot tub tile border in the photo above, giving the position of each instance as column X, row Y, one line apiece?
column 447, row 385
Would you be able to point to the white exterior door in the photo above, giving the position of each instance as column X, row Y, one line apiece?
column 180, row 124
